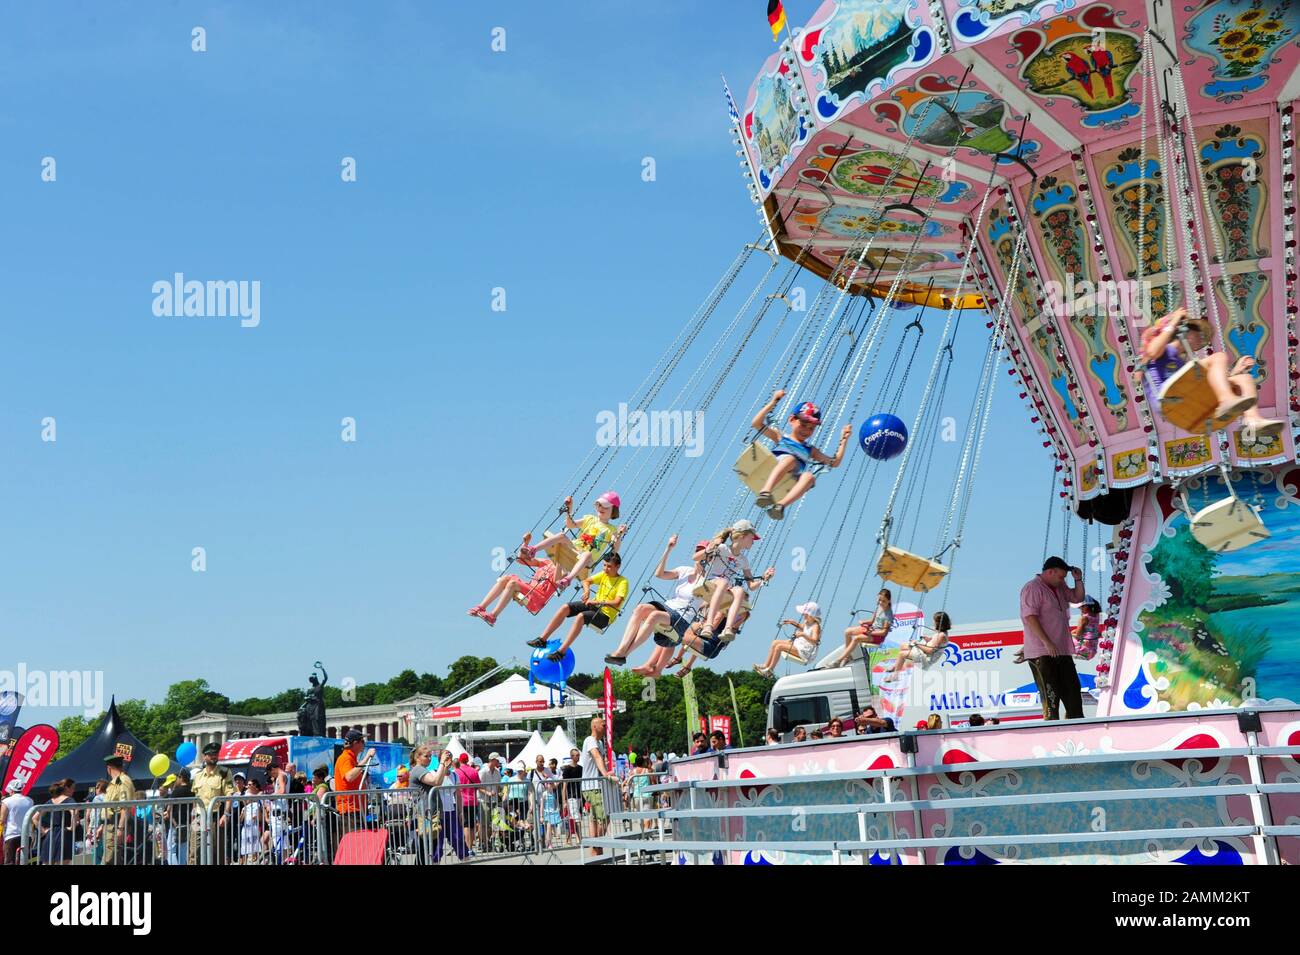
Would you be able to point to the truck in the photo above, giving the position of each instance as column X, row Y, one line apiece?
column 976, row 674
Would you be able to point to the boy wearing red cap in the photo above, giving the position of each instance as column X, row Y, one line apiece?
column 793, row 453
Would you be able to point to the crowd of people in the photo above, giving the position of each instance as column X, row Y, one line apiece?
column 441, row 805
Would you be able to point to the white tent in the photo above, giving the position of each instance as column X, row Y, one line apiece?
column 532, row 749
column 454, row 744
column 558, row 746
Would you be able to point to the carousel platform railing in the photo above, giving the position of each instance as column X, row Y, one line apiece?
column 665, row 842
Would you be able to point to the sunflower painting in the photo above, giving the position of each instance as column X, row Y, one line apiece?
column 1243, row 36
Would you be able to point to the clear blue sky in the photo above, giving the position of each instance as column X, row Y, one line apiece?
column 475, row 170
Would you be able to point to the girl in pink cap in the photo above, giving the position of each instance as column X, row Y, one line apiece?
column 596, row 536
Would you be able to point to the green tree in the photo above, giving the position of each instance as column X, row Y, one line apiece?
column 466, row 670
column 73, row 731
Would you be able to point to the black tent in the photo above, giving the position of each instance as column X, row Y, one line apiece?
column 85, row 764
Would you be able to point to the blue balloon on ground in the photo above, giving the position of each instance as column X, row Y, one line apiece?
column 185, row 753
column 882, row 436
column 546, row 671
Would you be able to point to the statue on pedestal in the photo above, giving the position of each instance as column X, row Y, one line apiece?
column 311, row 715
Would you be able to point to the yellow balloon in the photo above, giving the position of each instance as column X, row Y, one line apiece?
column 158, row 765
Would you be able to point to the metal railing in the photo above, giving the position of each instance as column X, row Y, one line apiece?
column 650, row 843
column 455, row 822
column 138, row 832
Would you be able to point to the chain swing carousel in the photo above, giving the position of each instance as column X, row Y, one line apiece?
column 1115, row 186
column 1139, row 165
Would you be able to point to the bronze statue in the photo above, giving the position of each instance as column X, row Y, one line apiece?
column 311, row 715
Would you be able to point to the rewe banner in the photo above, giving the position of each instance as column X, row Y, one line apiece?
column 30, row 755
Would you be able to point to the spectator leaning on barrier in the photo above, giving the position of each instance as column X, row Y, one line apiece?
column 349, row 774
column 13, row 812
column 571, row 773
column 717, row 741
column 869, row 721
column 210, row 782
column 177, row 819
column 425, row 780
column 596, row 774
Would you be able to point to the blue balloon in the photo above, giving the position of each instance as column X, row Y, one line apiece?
column 882, row 436
column 547, row 672
column 185, row 753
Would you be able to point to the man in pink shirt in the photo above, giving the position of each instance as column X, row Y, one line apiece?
column 1045, row 612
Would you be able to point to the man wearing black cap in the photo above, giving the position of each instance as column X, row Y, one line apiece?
column 210, row 782
column 349, row 774
column 1049, row 651
column 120, row 789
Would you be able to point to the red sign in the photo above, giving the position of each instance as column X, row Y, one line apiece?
column 30, row 755
column 523, row 706
column 446, row 712
column 609, row 712
column 241, row 750
column 722, row 723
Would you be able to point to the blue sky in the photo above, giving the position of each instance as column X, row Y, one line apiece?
column 475, row 170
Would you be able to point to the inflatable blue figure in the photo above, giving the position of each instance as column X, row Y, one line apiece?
column 882, row 436
column 552, row 675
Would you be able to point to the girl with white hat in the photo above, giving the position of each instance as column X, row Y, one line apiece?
column 803, row 645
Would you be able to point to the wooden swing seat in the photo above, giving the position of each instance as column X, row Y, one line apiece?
column 1228, row 525
column 909, row 570
column 1187, row 401
column 755, row 464
column 565, row 556
column 705, row 589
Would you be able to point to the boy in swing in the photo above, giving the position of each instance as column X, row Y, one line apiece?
column 597, row 610
column 793, row 454
column 1234, row 387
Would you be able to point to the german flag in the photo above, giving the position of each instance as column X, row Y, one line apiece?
column 776, row 18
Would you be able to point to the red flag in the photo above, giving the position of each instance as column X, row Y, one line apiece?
column 30, row 755
column 609, row 714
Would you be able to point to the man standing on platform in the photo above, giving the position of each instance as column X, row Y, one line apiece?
column 1049, row 651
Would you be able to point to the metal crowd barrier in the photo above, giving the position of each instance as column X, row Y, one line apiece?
column 550, row 820
column 651, row 844
column 139, row 832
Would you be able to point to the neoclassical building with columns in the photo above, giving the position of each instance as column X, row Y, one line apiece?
column 384, row 722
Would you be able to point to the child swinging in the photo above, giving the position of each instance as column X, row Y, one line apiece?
column 596, row 537
column 793, row 454
column 532, row 594
column 727, row 575
column 1234, row 387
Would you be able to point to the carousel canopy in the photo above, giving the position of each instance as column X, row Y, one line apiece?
column 893, row 134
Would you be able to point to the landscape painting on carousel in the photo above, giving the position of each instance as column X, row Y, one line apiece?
column 1220, row 628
